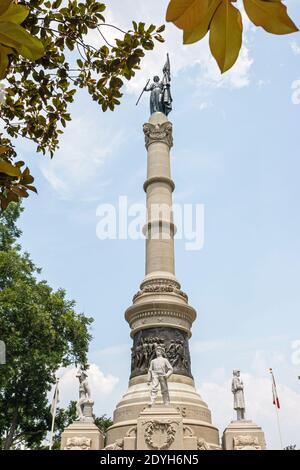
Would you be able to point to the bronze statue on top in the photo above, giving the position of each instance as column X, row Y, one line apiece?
column 160, row 97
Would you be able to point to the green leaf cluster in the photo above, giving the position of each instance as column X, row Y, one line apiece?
column 39, row 93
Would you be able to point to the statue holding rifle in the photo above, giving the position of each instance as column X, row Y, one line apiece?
column 160, row 97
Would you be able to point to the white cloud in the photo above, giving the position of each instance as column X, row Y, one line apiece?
column 84, row 149
column 295, row 47
column 259, row 407
column 204, row 105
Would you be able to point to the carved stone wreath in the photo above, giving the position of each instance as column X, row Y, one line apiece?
column 159, row 435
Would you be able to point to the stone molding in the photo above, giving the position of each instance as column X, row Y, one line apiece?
column 160, row 286
column 151, row 314
column 159, row 179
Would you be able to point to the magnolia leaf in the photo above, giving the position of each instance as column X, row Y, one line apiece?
column 3, row 149
column 4, row 61
column 225, row 38
column 31, row 188
column 270, row 15
column 15, row 14
column 187, row 14
column 18, row 38
column 9, row 169
column 189, row 37
column 4, row 5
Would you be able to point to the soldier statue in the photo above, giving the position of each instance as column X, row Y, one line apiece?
column 159, row 371
column 238, row 393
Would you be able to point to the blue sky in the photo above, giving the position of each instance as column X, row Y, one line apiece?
column 237, row 152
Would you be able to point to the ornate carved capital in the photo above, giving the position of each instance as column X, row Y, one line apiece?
column 158, row 133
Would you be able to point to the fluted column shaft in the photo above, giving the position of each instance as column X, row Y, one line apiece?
column 159, row 186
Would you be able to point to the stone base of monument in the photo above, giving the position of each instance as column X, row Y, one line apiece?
column 196, row 415
column 243, row 435
column 82, row 435
column 160, row 427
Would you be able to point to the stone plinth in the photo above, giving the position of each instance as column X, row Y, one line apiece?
column 82, row 436
column 160, row 428
column 243, row 435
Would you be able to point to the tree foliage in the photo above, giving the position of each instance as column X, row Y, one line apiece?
column 224, row 22
column 77, row 55
column 41, row 331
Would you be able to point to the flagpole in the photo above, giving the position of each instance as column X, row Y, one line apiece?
column 276, row 403
column 279, row 428
column 53, row 415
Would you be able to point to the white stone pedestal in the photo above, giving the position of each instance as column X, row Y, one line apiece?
column 82, row 436
column 160, row 428
column 243, row 435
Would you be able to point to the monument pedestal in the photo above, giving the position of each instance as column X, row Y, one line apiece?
column 160, row 428
column 243, row 435
column 82, row 436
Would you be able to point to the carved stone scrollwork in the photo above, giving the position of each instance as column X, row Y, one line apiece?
column 158, row 133
column 78, row 443
column 174, row 344
column 160, row 286
column 202, row 444
column 246, row 442
column 118, row 445
column 159, row 435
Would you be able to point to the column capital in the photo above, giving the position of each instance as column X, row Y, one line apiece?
column 158, row 133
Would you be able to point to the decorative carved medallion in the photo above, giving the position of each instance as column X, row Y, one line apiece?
column 78, row 443
column 159, row 435
column 158, row 133
column 174, row 343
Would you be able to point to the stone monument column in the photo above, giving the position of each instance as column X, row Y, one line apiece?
column 160, row 315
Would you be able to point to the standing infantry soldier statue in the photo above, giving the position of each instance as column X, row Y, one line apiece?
column 238, row 392
column 84, row 406
column 159, row 372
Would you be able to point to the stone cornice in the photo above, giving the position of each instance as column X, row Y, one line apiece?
column 152, row 314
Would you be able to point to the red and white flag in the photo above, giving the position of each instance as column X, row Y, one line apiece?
column 276, row 401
